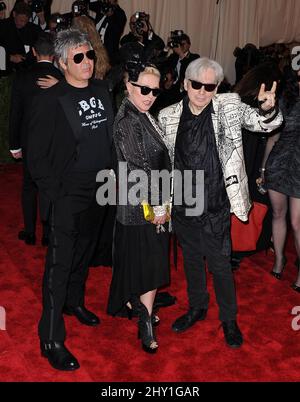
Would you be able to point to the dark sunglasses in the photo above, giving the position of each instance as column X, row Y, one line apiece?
column 208, row 87
column 147, row 90
column 90, row 54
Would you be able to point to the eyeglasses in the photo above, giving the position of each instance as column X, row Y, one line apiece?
column 146, row 90
column 198, row 85
column 90, row 54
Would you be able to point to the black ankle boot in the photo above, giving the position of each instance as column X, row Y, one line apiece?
column 145, row 328
column 59, row 356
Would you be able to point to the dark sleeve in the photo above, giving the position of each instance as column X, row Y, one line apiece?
column 16, row 113
column 40, row 137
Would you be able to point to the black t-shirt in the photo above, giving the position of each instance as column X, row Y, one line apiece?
column 93, row 150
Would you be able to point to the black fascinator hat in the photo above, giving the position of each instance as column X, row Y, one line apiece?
column 135, row 60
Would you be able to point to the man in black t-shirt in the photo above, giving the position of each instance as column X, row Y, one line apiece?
column 70, row 141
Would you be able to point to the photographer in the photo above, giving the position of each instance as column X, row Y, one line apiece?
column 17, row 36
column 40, row 11
column 110, row 23
column 141, row 31
column 179, row 60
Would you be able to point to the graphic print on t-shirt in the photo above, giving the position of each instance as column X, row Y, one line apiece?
column 92, row 113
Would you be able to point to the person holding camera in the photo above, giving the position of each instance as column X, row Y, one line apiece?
column 17, row 36
column 203, row 133
column 142, row 31
column 180, row 44
column 110, row 23
column 40, row 10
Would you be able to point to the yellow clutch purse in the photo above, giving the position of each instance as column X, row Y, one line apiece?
column 149, row 214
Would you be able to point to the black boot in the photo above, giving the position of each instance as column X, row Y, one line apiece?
column 233, row 335
column 145, row 328
column 189, row 319
column 59, row 356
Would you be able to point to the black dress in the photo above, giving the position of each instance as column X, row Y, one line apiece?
column 283, row 166
column 140, row 254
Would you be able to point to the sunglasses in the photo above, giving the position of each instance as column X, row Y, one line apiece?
column 147, row 90
column 90, row 54
column 198, row 85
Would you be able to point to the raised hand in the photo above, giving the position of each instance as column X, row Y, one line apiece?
column 268, row 98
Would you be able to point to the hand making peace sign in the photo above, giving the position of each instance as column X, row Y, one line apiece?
column 267, row 97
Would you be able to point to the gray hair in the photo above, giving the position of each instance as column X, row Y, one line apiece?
column 202, row 64
column 67, row 39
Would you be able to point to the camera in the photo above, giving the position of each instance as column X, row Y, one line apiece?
column 2, row 6
column 105, row 6
column 142, row 20
column 175, row 39
column 37, row 6
column 62, row 23
column 79, row 8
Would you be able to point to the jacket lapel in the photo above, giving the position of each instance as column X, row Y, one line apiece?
column 71, row 113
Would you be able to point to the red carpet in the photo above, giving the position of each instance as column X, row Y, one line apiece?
column 111, row 352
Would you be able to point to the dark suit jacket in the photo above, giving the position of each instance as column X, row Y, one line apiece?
column 14, row 40
column 116, row 25
column 173, row 60
column 24, row 90
column 52, row 153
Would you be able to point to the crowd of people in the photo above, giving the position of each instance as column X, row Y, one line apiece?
column 85, row 100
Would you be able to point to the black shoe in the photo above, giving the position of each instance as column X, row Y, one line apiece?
column 83, row 315
column 278, row 275
column 233, row 335
column 145, row 329
column 189, row 319
column 59, row 356
column 163, row 299
column 45, row 241
column 28, row 238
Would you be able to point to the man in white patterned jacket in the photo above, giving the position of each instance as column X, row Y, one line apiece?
column 204, row 132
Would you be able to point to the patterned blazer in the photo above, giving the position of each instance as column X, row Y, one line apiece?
column 229, row 117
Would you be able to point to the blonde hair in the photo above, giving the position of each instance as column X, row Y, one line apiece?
column 148, row 70
column 102, row 65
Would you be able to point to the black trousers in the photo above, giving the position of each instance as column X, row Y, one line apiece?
column 72, row 243
column 30, row 197
column 196, row 244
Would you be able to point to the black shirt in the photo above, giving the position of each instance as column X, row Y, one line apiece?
column 196, row 150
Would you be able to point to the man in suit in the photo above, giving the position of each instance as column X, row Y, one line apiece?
column 17, row 36
column 24, row 89
column 204, row 134
column 178, row 61
column 75, row 119
column 110, row 23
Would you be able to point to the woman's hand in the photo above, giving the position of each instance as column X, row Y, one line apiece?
column 160, row 220
column 45, row 83
column 267, row 98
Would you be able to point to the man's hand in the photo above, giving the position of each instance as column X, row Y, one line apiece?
column 17, row 58
column 48, row 82
column 268, row 98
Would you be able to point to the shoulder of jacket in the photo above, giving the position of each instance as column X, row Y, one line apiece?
column 228, row 97
column 171, row 110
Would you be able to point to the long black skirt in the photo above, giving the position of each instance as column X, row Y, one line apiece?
column 140, row 264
